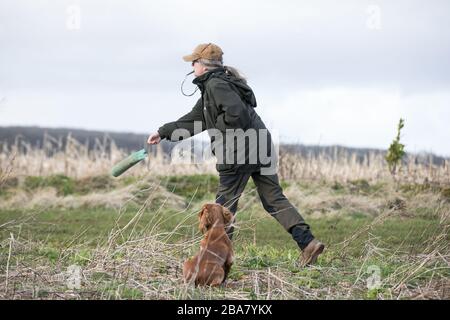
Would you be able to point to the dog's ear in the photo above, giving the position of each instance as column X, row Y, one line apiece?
column 201, row 219
column 204, row 217
column 227, row 215
column 200, row 214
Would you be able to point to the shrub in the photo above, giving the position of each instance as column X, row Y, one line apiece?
column 396, row 151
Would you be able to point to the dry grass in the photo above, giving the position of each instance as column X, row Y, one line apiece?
column 77, row 161
column 48, row 198
column 6, row 167
column 140, row 260
column 147, row 265
column 346, row 167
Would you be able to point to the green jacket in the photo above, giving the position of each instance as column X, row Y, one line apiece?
column 226, row 103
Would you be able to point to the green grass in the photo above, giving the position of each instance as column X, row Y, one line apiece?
column 192, row 187
column 90, row 227
column 57, row 238
column 59, row 226
column 65, row 185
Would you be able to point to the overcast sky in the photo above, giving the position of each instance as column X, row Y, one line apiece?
column 323, row 72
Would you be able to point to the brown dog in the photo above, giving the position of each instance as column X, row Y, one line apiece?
column 213, row 262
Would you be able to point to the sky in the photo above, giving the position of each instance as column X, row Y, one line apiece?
column 323, row 72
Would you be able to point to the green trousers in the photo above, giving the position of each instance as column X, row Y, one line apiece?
column 273, row 201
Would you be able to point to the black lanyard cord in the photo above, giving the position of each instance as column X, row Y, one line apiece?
column 182, row 83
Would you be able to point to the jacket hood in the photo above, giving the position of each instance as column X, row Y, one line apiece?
column 244, row 90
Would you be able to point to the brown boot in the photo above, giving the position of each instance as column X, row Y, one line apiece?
column 311, row 252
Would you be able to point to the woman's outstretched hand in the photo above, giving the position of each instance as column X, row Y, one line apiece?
column 154, row 138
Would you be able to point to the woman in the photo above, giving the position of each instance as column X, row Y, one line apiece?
column 226, row 107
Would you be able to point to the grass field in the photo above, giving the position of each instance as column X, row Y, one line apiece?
column 129, row 237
